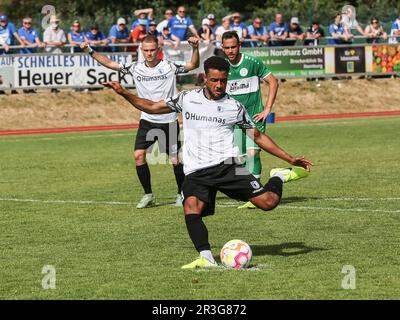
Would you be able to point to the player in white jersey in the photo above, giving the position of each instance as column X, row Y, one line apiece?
column 209, row 116
column 154, row 79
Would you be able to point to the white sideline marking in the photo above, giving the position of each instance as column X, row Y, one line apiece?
column 66, row 137
column 339, row 209
column 68, row 201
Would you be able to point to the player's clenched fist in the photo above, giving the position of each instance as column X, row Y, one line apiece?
column 194, row 42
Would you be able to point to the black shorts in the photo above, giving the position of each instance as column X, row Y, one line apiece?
column 228, row 177
column 167, row 135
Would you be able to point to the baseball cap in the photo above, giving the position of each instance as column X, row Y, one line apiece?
column 205, row 21
column 211, row 16
column 121, row 21
column 54, row 19
column 153, row 23
column 3, row 18
column 142, row 22
column 294, row 20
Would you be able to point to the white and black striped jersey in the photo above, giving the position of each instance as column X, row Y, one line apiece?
column 156, row 84
column 208, row 127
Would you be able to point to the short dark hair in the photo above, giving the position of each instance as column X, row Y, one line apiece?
column 217, row 63
column 230, row 35
column 150, row 38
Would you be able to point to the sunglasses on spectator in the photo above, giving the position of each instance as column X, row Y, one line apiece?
column 375, row 21
column 257, row 22
column 26, row 22
column 181, row 11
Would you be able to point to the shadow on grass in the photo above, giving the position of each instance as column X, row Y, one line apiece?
column 284, row 249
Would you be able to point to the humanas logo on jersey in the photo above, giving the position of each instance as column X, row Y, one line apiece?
column 193, row 116
column 153, row 78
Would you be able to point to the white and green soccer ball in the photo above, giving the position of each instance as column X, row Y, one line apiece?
column 236, row 254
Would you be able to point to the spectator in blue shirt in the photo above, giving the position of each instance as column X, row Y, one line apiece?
column 338, row 32
column 29, row 37
column 146, row 14
column 7, row 33
column 95, row 37
column 395, row 31
column 257, row 31
column 180, row 25
column 278, row 31
column 76, row 37
column 119, row 33
column 239, row 26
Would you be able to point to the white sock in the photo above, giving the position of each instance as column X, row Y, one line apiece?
column 208, row 255
column 279, row 175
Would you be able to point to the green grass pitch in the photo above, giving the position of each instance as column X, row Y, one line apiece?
column 68, row 200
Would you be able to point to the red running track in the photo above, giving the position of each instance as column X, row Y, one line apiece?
column 134, row 126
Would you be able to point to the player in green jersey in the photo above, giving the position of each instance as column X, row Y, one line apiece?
column 244, row 85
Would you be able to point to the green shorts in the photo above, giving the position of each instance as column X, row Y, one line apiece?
column 244, row 142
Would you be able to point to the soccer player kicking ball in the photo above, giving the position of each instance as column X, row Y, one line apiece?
column 209, row 117
column 154, row 79
column 244, row 85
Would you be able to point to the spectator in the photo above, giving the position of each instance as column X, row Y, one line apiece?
column 54, row 36
column 29, row 37
column 278, row 31
column 137, row 34
column 95, row 37
column 7, row 33
column 295, row 32
column 213, row 23
column 205, row 32
column 76, row 37
column 338, row 32
column 349, row 21
column 119, row 34
column 374, row 31
column 314, row 33
column 257, row 31
column 395, row 31
column 239, row 26
column 153, row 30
column 146, row 14
column 224, row 27
column 181, row 24
column 169, row 38
column 167, row 16
column 5, row 36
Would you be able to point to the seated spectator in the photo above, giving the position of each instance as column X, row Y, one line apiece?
column 95, row 37
column 257, row 31
column 239, row 26
column 137, row 35
column 395, row 31
column 167, row 16
column 7, row 33
column 76, row 37
column 213, row 23
column 314, row 33
column 153, row 30
column 54, row 36
column 146, row 14
column 181, row 24
column 295, row 32
column 119, row 34
column 374, row 31
column 29, row 37
column 205, row 31
column 338, row 32
column 224, row 27
column 278, row 31
column 349, row 21
column 169, row 39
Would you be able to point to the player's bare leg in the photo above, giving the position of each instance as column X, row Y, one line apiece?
column 179, row 177
column 198, row 233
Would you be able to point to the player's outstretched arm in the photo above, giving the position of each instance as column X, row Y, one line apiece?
column 195, row 60
column 100, row 58
column 141, row 104
column 267, row 144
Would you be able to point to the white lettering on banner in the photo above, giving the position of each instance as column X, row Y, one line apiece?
column 37, row 71
column 288, row 52
column 243, row 86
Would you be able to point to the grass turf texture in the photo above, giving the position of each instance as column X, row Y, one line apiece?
column 345, row 213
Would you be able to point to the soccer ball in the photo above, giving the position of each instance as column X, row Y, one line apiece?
column 236, row 254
